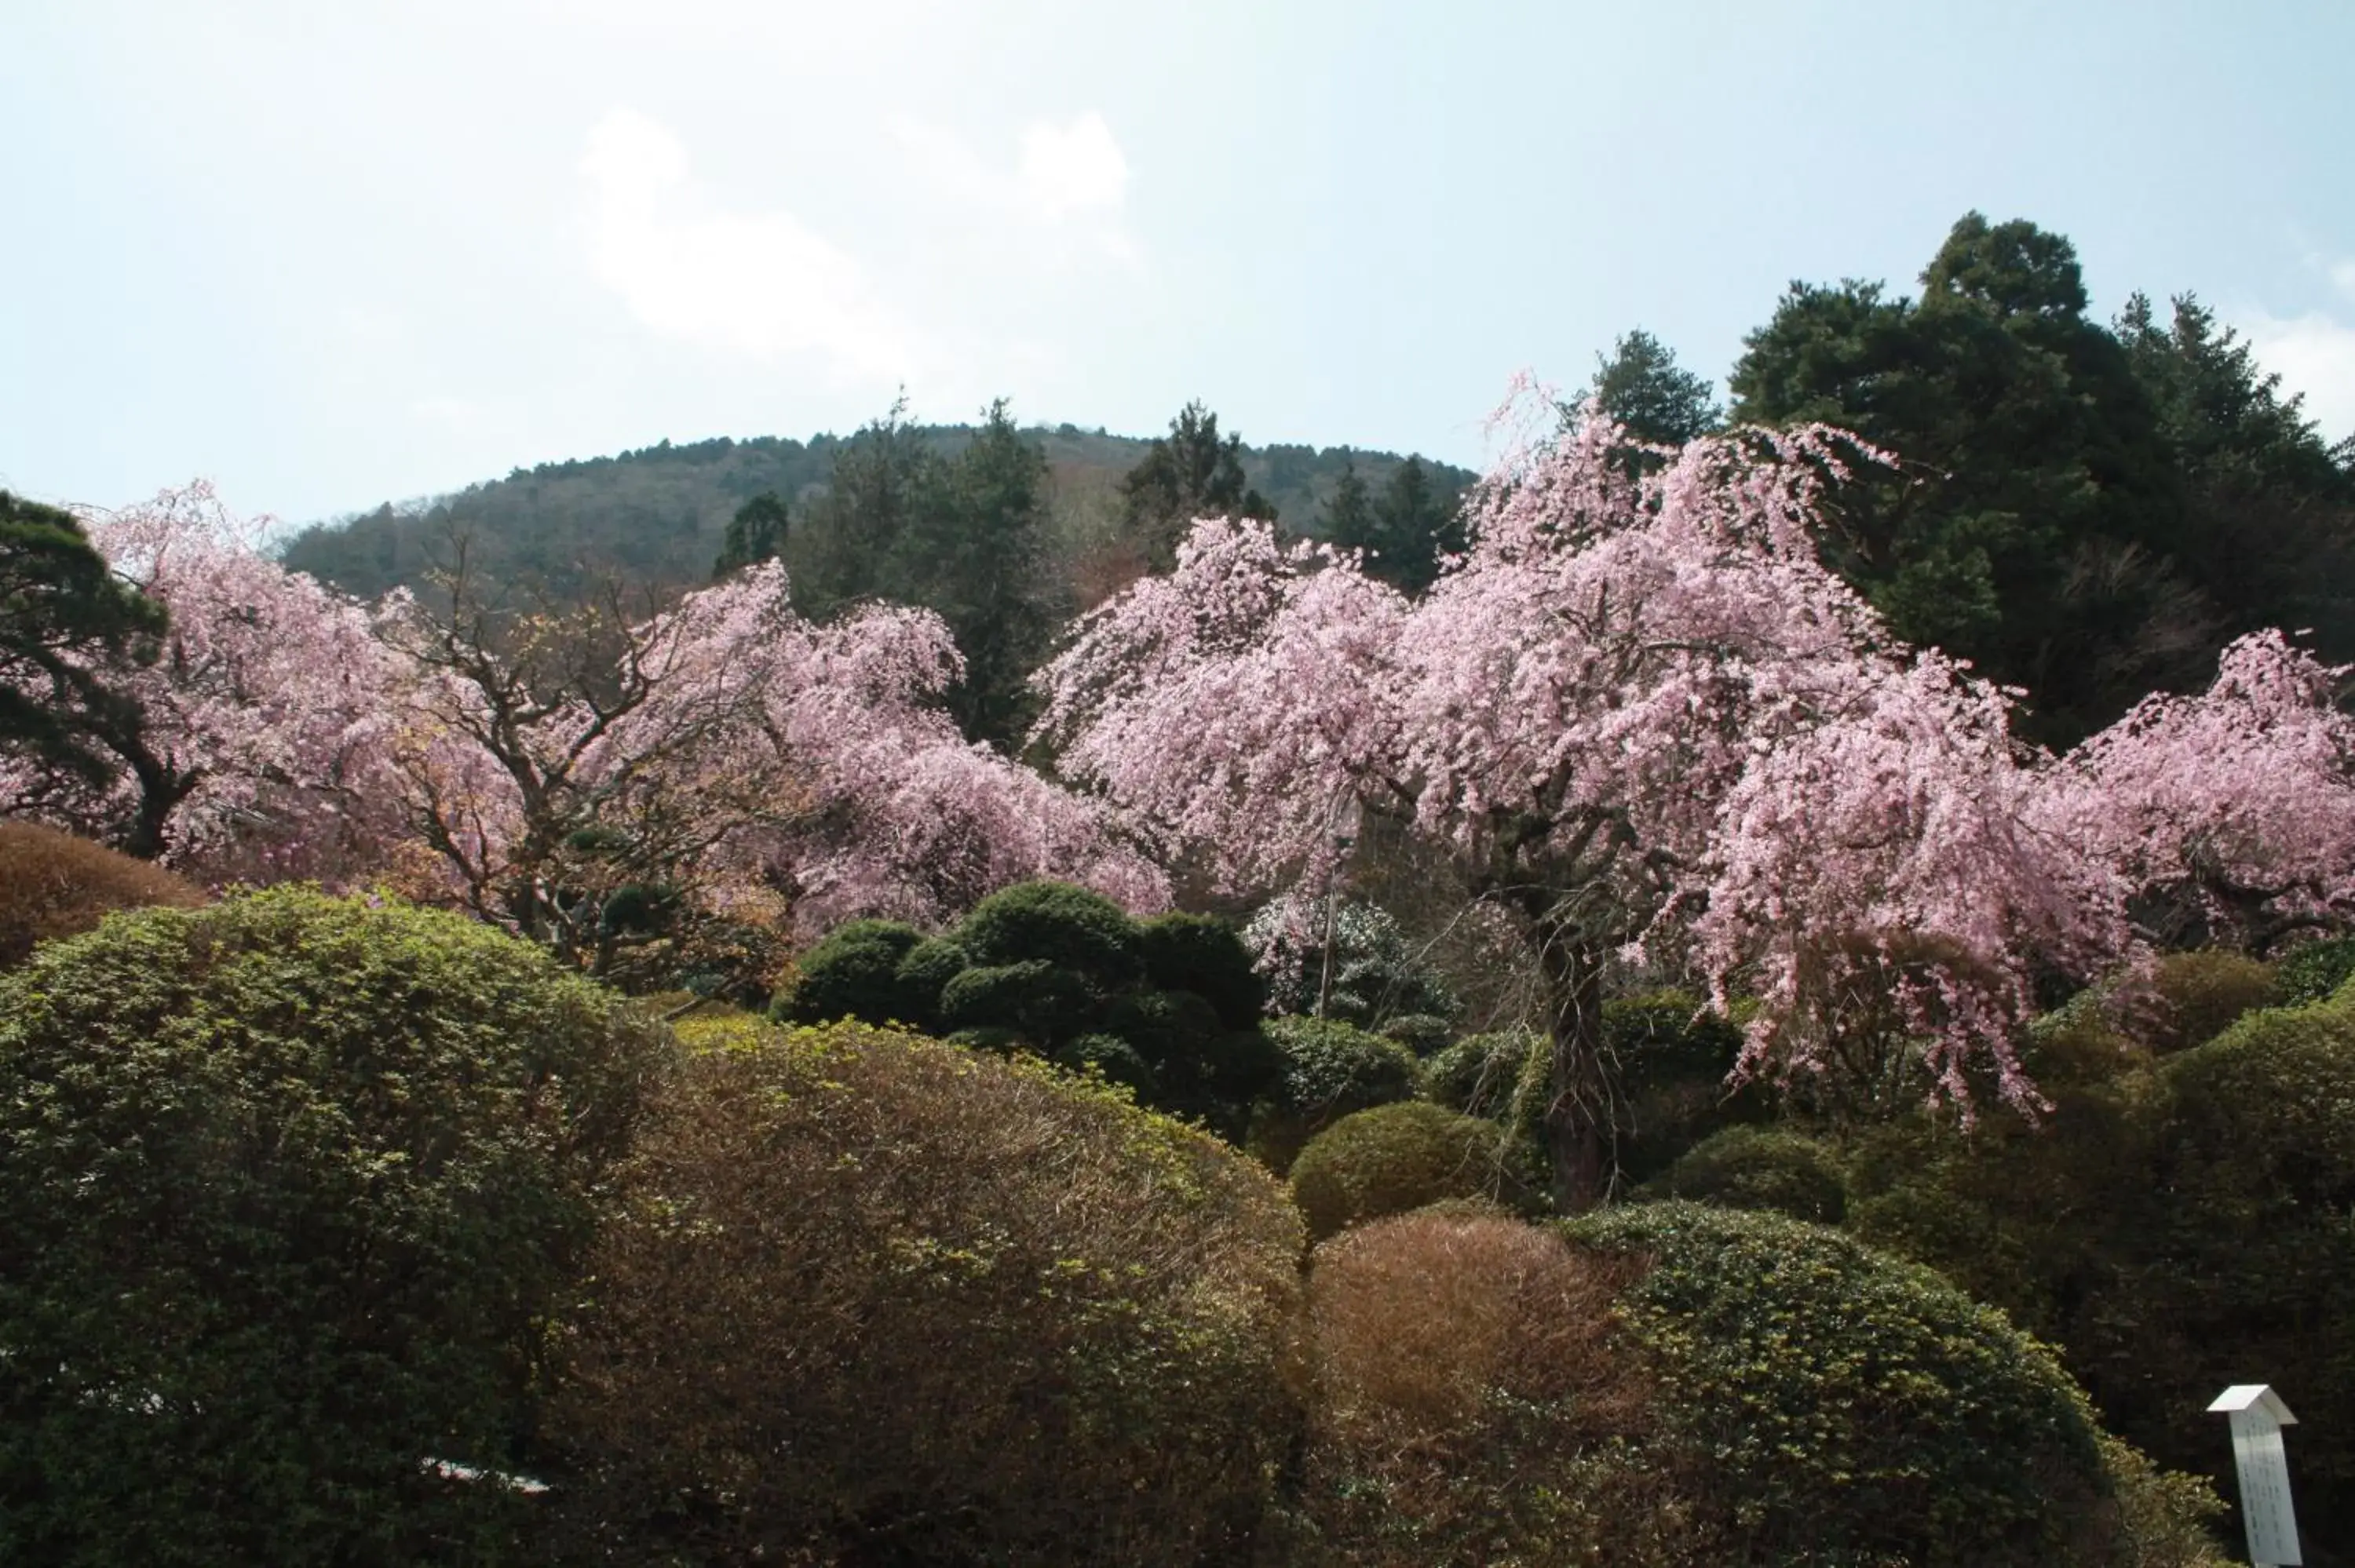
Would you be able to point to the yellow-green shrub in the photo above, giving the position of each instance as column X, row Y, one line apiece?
column 1393, row 1157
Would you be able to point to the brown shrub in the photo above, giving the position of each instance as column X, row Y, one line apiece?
column 1473, row 1401
column 881, row 1299
column 54, row 885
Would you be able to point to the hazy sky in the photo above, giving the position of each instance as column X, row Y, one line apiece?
column 332, row 253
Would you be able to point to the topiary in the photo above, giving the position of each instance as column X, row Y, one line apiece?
column 59, row 886
column 1760, row 1168
column 1329, row 1069
column 2201, row 993
column 1478, row 1074
column 2311, row 971
column 923, row 972
column 1114, row 1058
column 1837, row 1404
column 291, row 1191
column 1049, row 1005
column 1672, row 1054
column 875, row 1299
column 1170, row 1029
column 1394, row 1157
column 852, row 971
column 1424, row 1033
column 1471, row 1404
column 1055, row 923
column 1204, row 956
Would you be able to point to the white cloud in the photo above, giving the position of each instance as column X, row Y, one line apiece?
column 756, row 283
column 1073, row 168
column 1068, row 177
column 2315, row 355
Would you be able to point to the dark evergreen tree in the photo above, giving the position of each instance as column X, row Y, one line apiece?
column 1346, row 520
column 1641, row 386
column 65, row 618
column 757, row 532
column 2035, row 524
column 1188, row 474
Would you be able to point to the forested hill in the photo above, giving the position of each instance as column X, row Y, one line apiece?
column 658, row 516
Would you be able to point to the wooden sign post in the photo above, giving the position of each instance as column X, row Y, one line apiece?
column 2258, row 1415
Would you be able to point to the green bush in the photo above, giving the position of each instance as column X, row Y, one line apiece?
column 852, row 971
column 1047, row 1004
column 1479, row 1074
column 923, row 973
column 2311, row 971
column 1844, row 1407
column 1397, row 1157
column 1170, row 1029
column 874, row 1300
column 1672, row 1054
column 1054, row 923
column 1328, row 1070
column 992, row 1039
column 1112, row 1056
column 1205, row 956
column 1760, row 1168
column 2201, row 993
column 59, row 886
column 292, row 1194
column 1424, row 1033
column 1375, row 972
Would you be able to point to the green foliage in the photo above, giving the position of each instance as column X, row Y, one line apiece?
column 1394, row 1157
column 1329, row 1069
column 1853, row 1408
column 59, row 886
column 1760, row 1168
column 292, row 1194
column 924, row 971
column 2201, row 993
column 1375, row 972
column 1168, row 1028
column 873, row 1299
column 1059, row 924
column 65, row 618
column 757, row 532
column 1672, row 1054
column 1112, row 1056
column 1424, row 1033
column 1206, row 956
column 2311, row 971
column 1640, row 386
column 1046, row 1004
column 852, row 971
column 1479, row 1074
column 1188, row 474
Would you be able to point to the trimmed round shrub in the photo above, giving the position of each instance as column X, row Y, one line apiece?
column 923, row 973
column 996, row 1040
column 1047, row 1004
column 1055, row 923
column 1471, row 1404
column 1424, row 1033
column 1835, row 1405
column 59, row 886
column 1397, row 1157
column 852, row 971
column 1761, row 1168
column 1478, row 1074
column 292, row 1191
column 1112, row 1056
column 1329, row 1069
column 1672, row 1054
column 1205, row 957
column 2201, row 993
column 874, row 1300
column 1170, row 1029
column 2311, row 971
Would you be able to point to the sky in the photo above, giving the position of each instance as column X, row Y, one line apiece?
column 332, row 255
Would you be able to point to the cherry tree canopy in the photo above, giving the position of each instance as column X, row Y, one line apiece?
column 2228, row 815
column 1638, row 713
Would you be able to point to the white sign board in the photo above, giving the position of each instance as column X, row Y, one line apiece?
column 2258, row 1415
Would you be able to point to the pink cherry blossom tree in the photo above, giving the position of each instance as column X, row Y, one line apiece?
column 2226, row 816
column 257, row 751
column 1637, row 714
column 608, row 785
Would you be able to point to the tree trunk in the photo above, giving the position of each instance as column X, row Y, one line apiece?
column 1578, row 1118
